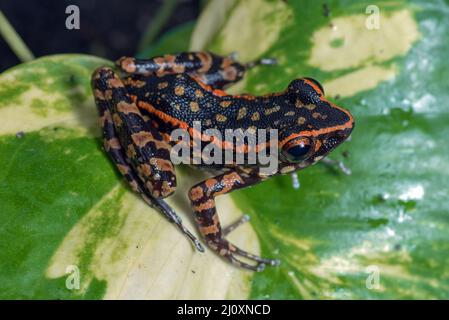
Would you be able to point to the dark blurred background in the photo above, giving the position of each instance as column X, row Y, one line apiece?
column 108, row 28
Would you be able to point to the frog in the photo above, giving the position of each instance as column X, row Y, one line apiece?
column 141, row 102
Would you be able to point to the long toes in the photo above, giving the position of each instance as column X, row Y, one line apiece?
column 338, row 166
column 245, row 218
column 229, row 251
column 269, row 61
column 257, row 268
column 171, row 216
column 262, row 61
column 346, row 170
column 270, row 262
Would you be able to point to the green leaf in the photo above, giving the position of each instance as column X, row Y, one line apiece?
column 62, row 204
column 382, row 232
column 65, row 212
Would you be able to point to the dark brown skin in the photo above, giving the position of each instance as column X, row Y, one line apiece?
column 139, row 111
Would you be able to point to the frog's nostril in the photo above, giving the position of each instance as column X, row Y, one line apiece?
column 341, row 134
column 344, row 133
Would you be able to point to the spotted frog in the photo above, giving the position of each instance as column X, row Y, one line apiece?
column 142, row 101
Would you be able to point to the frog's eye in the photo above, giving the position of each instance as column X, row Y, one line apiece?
column 297, row 149
column 316, row 83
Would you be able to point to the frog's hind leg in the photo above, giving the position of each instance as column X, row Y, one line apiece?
column 116, row 152
column 202, row 197
column 197, row 63
column 211, row 69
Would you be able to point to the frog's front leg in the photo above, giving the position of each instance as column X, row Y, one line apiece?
column 202, row 197
column 334, row 164
column 109, row 97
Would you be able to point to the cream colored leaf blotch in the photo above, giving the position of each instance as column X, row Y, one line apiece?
column 143, row 256
column 347, row 43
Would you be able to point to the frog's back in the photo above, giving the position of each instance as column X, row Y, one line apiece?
column 182, row 98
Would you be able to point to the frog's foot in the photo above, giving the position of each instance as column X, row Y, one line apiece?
column 337, row 165
column 202, row 197
column 229, row 252
column 262, row 61
column 295, row 181
column 245, row 218
column 234, row 56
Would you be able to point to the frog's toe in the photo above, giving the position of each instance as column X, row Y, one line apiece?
column 229, row 251
column 257, row 268
column 260, row 265
column 263, row 61
column 245, row 218
column 337, row 165
column 270, row 262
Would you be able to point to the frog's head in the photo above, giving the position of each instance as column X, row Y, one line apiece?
column 320, row 126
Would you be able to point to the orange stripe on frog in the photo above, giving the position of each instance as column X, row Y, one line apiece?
column 322, row 98
column 195, row 133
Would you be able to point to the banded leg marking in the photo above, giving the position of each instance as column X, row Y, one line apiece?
column 202, row 197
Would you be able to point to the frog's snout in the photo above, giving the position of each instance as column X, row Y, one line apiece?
column 335, row 139
column 345, row 133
